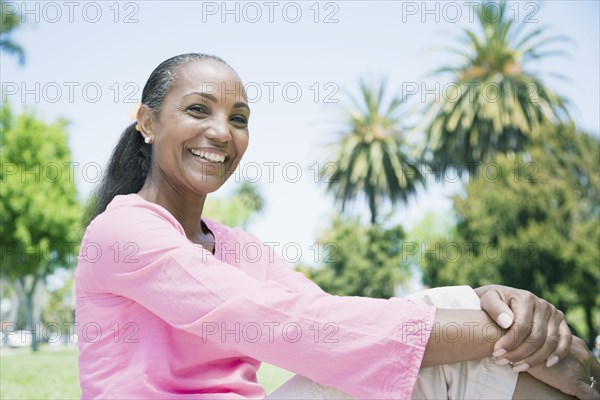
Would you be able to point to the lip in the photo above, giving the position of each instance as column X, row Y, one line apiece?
column 213, row 165
column 211, row 150
column 209, row 168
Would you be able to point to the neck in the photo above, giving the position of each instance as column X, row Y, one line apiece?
column 186, row 208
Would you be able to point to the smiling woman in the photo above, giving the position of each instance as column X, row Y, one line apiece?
column 172, row 305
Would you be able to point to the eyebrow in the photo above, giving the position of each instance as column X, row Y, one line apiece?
column 213, row 98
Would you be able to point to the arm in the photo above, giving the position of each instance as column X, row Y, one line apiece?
column 534, row 330
column 480, row 336
column 460, row 335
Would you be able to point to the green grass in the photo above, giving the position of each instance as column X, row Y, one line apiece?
column 45, row 375
column 52, row 374
column 271, row 377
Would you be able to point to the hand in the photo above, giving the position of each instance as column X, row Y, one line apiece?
column 536, row 331
column 572, row 375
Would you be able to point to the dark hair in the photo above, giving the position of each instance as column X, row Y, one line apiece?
column 130, row 161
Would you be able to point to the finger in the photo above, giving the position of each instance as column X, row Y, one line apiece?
column 536, row 336
column 523, row 309
column 495, row 306
column 557, row 343
column 550, row 343
column 565, row 337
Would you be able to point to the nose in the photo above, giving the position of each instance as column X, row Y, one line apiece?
column 219, row 129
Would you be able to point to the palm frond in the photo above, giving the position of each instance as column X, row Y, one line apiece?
column 498, row 104
column 369, row 158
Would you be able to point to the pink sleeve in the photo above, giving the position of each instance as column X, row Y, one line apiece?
column 368, row 348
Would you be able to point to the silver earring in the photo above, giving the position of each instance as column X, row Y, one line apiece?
column 146, row 140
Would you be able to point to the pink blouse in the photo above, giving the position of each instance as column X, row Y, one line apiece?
column 161, row 317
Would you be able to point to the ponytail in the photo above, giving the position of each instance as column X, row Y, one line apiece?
column 126, row 173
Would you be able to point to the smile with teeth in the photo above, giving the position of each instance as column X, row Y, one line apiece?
column 212, row 157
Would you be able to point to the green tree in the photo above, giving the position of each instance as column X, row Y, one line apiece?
column 360, row 261
column 59, row 308
column 39, row 208
column 428, row 230
column 238, row 209
column 532, row 220
column 371, row 157
column 9, row 21
column 497, row 103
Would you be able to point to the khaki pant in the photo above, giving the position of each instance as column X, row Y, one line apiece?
column 481, row 379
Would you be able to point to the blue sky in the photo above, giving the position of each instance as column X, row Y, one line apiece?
column 88, row 61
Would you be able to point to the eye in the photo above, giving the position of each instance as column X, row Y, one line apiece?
column 197, row 109
column 240, row 120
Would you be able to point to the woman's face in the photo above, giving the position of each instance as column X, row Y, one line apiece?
column 201, row 131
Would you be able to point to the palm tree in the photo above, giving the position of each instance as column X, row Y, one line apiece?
column 9, row 21
column 496, row 104
column 371, row 156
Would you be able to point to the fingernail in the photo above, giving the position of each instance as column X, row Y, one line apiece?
column 502, row 361
column 552, row 361
column 499, row 353
column 521, row 367
column 504, row 320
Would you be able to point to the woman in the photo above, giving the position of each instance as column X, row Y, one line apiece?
column 169, row 306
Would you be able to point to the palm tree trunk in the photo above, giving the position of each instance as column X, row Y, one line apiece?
column 373, row 207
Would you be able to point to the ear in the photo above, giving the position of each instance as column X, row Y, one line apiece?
column 144, row 118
